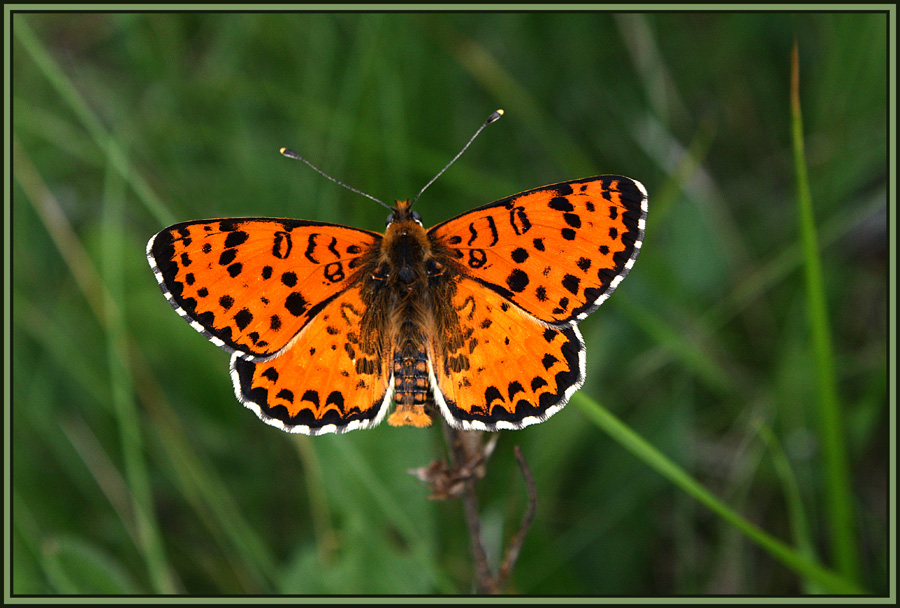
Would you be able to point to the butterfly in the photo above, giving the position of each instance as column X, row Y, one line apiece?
column 330, row 326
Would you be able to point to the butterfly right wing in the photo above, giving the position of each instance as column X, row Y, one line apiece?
column 494, row 366
column 251, row 284
column 556, row 252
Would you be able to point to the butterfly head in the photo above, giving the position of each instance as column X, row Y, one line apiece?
column 408, row 260
column 402, row 212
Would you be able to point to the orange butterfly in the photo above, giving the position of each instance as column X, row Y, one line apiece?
column 328, row 325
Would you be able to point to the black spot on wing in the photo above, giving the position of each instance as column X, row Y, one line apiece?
column 236, row 238
column 517, row 280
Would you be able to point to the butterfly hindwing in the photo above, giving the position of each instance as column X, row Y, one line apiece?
column 494, row 366
column 333, row 377
column 251, row 284
column 558, row 251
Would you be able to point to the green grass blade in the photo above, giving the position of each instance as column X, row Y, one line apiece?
column 78, row 568
column 505, row 87
column 71, row 98
column 653, row 458
column 394, row 512
column 839, row 500
column 72, row 251
column 797, row 514
column 688, row 349
column 122, row 389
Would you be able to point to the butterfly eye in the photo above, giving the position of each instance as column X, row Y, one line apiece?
column 434, row 268
column 416, row 217
column 381, row 273
column 390, row 219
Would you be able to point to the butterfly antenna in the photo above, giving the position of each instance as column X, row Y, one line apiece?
column 494, row 116
column 291, row 154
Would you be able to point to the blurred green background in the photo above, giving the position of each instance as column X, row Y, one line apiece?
column 135, row 470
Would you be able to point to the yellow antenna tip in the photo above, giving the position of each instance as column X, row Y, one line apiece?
column 494, row 116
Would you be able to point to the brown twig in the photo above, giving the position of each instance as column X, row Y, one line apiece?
column 483, row 579
column 515, row 545
column 469, row 454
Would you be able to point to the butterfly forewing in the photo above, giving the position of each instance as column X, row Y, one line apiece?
column 556, row 252
column 251, row 284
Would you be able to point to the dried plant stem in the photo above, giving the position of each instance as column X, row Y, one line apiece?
column 484, row 582
column 469, row 455
column 515, row 545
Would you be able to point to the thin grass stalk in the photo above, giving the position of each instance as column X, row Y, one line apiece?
column 656, row 460
column 122, row 391
column 838, row 494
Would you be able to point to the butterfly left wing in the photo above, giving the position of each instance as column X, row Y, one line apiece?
column 556, row 252
column 333, row 377
column 251, row 284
